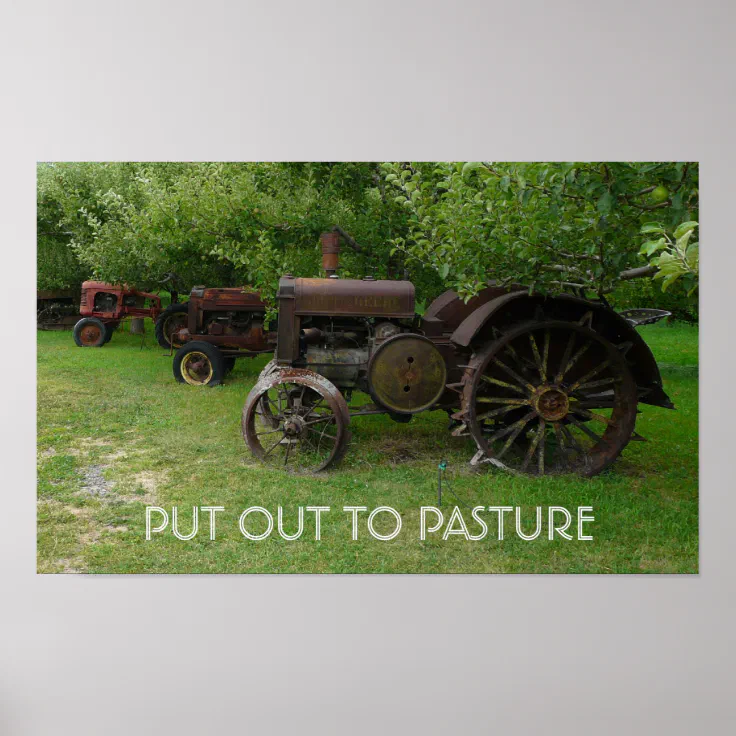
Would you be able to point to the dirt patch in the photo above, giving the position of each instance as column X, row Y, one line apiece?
column 94, row 482
column 90, row 537
column 399, row 451
column 116, row 529
column 96, row 442
column 69, row 566
column 117, row 455
column 149, row 481
column 85, row 533
column 81, row 512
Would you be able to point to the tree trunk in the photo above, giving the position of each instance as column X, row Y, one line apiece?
column 137, row 326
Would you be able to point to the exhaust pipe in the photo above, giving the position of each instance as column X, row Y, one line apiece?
column 330, row 252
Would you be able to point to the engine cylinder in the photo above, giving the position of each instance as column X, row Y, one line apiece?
column 339, row 365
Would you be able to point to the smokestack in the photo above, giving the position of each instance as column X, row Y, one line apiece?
column 330, row 252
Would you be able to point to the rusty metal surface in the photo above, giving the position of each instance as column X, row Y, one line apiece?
column 518, row 306
column 339, row 365
column 353, row 297
column 57, row 309
column 288, row 432
column 471, row 325
column 119, row 294
column 452, row 310
column 229, row 298
column 549, row 397
column 57, row 317
column 287, row 344
column 230, row 318
column 172, row 326
column 90, row 334
column 542, row 384
column 330, row 252
column 641, row 316
column 407, row 374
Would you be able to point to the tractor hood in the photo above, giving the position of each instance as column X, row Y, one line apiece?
column 349, row 297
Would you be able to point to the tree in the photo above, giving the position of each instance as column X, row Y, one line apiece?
column 550, row 226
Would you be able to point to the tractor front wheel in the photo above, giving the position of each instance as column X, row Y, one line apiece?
column 199, row 364
column 306, row 426
column 90, row 332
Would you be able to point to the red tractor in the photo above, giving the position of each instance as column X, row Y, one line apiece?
column 103, row 306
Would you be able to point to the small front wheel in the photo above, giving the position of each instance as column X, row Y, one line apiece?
column 306, row 427
column 90, row 332
column 199, row 364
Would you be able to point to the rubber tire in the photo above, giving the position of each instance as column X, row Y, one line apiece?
column 216, row 358
column 229, row 363
column 81, row 324
column 109, row 329
column 161, row 321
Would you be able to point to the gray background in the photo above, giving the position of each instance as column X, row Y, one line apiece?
column 375, row 80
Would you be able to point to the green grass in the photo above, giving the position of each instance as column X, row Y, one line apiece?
column 117, row 433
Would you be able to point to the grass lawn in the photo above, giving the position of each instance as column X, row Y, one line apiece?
column 116, row 433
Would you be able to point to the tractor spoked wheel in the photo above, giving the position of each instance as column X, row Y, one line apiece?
column 304, row 427
column 264, row 406
column 550, row 397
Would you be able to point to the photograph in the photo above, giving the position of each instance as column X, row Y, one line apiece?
column 367, row 367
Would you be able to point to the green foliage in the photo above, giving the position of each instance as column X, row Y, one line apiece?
column 678, row 257
column 550, row 226
column 649, row 294
column 57, row 264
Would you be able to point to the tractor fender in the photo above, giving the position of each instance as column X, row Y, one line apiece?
column 519, row 306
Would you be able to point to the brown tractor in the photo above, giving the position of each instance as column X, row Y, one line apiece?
column 220, row 325
column 103, row 307
column 543, row 385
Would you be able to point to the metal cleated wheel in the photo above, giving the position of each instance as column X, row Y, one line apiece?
column 297, row 420
column 549, row 397
column 264, row 407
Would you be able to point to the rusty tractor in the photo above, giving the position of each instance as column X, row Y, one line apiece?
column 103, row 307
column 220, row 325
column 57, row 309
column 543, row 385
